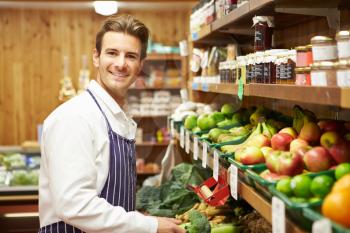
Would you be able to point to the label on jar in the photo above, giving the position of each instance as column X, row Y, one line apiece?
column 343, row 49
column 259, row 73
column 318, row 78
column 323, row 53
column 343, row 78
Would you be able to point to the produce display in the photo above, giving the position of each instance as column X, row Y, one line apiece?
column 300, row 159
column 19, row 170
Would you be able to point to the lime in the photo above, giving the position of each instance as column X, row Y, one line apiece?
column 321, row 185
column 283, row 186
column 196, row 129
column 300, row 185
column 218, row 116
column 190, row 122
column 227, row 110
column 298, row 199
column 314, row 199
column 341, row 170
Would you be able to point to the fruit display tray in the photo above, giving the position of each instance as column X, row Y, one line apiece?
column 313, row 214
column 291, row 204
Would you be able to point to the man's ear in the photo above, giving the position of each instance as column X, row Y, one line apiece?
column 96, row 58
column 141, row 65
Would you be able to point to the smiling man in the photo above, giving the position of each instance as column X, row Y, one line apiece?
column 88, row 173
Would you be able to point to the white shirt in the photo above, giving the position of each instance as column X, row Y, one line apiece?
column 75, row 163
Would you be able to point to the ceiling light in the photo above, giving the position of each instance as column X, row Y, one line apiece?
column 106, row 7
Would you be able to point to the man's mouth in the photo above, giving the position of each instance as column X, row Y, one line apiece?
column 119, row 75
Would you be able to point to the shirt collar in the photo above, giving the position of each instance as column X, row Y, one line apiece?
column 103, row 95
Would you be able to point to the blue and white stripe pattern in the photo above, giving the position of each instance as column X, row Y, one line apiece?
column 120, row 186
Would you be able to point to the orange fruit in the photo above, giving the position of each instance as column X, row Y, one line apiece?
column 342, row 184
column 336, row 206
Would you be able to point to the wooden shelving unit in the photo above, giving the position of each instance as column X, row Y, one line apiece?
column 333, row 96
column 155, row 88
column 151, row 144
column 162, row 57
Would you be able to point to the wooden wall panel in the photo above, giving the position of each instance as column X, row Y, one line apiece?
column 33, row 43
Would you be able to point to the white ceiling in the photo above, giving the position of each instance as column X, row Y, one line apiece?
column 89, row 5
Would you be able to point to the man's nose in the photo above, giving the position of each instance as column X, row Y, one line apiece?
column 120, row 61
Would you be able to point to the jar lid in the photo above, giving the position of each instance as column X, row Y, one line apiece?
column 322, row 65
column 342, row 63
column 320, row 39
column 299, row 70
column 307, row 69
column 309, row 46
column 343, row 35
column 301, row 48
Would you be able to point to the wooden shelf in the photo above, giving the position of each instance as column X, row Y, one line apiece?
column 149, row 116
column 239, row 21
column 152, row 144
column 155, row 88
column 162, row 57
column 333, row 96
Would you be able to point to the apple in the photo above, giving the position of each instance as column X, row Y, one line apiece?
column 290, row 131
column 271, row 160
column 251, row 155
column 281, row 141
column 259, row 140
column 310, row 132
column 270, row 176
column 340, row 152
column 330, row 125
column 290, row 164
column 329, row 138
column 297, row 143
column 317, row 159
column 265, row 150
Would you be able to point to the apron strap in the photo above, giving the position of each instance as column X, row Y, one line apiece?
column 104, row 115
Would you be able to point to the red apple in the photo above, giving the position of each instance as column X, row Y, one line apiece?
column 290, row 131
column 290, row 164
column 341, row 152
column 330, row 125
column 271, row 160
column 329, row 138
column 270, row 176
column 310, row 132
column 317, row 159
column 265, row 150
column 297, row 143
column 251, row 155
column 281, row 141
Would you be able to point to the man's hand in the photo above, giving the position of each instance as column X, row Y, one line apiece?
column 169, row 225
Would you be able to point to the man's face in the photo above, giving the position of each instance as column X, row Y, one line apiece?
column 118, row 63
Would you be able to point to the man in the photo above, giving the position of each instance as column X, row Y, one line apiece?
column 88, row 175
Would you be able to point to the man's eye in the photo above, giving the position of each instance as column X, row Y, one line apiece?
column 132, row 56
column 112, row 53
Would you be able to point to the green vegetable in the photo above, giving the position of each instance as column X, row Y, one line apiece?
column 199, row 223
column 226, row 228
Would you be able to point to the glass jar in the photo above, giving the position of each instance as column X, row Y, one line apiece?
column 304, row 56
column 250, row 68
column 323, row 49
column 233, row 67
column 323, row 74
column 221, row 71
column 302, row 76
column 343, row 73
column 258, row 68
column 343, row 44
column 263, row 33
column 285, row 67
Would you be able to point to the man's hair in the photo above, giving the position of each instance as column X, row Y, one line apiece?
column 126, row 24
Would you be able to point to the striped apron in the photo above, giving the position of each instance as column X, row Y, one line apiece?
column 120, row 186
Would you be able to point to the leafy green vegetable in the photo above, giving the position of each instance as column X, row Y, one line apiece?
column 199, row 223
column 172, row 197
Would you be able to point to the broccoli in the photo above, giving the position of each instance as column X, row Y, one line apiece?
column 199, row 223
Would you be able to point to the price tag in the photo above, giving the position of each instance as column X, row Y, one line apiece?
column 187, row 144
column 240, row 89
column 234, row 181
column 205, row 155
column 278, row 216
column 182, row 137
column 195, row 148
column 172, row 128
column 216, row 165
column 322, row 226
